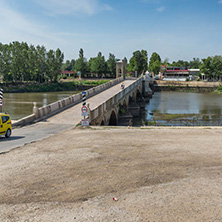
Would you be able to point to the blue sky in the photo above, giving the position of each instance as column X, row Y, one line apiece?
column 175, row 29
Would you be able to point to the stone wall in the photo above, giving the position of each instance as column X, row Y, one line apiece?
column 112, row 102
column 188, row 83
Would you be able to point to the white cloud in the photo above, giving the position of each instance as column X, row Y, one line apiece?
column 69, row 7
column 16, row 27
column 160, row 9
column 220, row 2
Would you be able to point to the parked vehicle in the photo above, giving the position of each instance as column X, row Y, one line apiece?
column 5, row 125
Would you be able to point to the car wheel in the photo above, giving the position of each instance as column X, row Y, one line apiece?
column 8, row 133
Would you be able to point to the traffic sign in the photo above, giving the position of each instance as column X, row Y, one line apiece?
column 85, row 122
column 84, row 109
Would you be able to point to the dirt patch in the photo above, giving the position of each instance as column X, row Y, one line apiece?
column 80, row 170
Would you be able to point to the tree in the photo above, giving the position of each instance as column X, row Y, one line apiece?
column 15, row 65
column 69, row 65
column 111, row 64
column 138, row 62
column 212, row 67
column 59, row 57
column 21, row 62
column 81, row 63
column 98, row 65
column 195, row 64
column 155, row 62
column 6, row 55
column 72, row 63
column 132, row 67
column 165, row 62
column 41, row 63
column 50, row 64
column 180, row 63
column 92, row 65
column 1, row 61
column 217, row 67
column 144, row 60
column 206, row 67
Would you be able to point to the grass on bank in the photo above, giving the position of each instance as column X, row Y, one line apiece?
column 50, row 87
column 168, row 116
column 218, row 90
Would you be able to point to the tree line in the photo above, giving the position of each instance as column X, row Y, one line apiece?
column 211, row 66
column 99, row 66
column 21, row 62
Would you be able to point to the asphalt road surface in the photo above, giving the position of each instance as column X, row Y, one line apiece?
column 31, row 133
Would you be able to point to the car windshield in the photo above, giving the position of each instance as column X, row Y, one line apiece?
column 5, row 119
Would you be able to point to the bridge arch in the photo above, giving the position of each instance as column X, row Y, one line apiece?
column 113, row 119
column 125, row 103
column 103, row 121
column 134, row 96
column 140, row 89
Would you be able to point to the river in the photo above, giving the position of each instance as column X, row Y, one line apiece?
column 19, row 105
column 184, row 109
column 165, row 108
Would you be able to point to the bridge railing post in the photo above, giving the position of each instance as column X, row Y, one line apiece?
column 35, row 110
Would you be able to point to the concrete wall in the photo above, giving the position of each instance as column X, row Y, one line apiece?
column 56, row 107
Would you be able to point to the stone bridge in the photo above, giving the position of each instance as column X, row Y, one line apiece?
column 108, row 104
column 121, row 107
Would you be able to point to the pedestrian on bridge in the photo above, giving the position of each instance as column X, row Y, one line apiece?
column 122, row 85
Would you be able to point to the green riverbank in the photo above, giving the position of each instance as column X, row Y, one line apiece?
column 166, row 119
column 50, row 87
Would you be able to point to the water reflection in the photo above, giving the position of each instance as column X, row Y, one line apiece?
column 19, row 105
column 189, row 108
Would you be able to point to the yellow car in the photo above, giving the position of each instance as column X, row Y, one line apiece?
column 5, row 125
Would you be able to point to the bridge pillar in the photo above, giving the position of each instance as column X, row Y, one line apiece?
column 121, row 69
column 147, row 91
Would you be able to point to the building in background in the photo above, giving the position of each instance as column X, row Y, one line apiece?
column 176, row 73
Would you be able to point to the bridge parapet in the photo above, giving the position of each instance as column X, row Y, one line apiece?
column 56, row 107
column 148, row 78
column 113, row 102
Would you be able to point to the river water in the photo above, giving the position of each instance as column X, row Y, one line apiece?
column 19, row 105
column 165, row 108
column 184, row 109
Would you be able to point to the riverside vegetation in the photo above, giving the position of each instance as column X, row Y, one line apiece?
column 50, row 86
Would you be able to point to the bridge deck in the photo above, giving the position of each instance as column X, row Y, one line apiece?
column 73, row 115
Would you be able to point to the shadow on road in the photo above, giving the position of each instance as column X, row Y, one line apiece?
column 11, row 138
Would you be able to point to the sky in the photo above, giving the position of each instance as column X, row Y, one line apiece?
column 175, row 29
